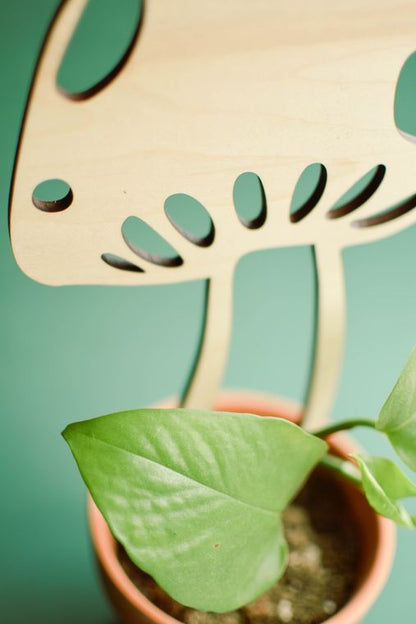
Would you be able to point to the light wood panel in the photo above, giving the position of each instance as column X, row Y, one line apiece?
column 212, row 90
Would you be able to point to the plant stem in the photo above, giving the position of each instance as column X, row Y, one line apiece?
column 344, row 426
column 343, row 467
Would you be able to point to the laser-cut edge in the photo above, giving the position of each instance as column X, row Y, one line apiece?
column 114, row 72
column 309, row 204
column 362, row 197
column 53, row 205
column 117, row 262
column 172, row 261
column 201, row 241
column 256, row 222
column 408, row 136
column 396, row 211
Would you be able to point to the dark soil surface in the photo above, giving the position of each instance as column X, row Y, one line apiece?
column 320, row 576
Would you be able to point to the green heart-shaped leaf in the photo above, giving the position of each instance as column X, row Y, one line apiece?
column 397, row 418
column 384, row 485
column 196, row 497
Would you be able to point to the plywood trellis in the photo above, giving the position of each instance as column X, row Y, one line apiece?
column 209, row 91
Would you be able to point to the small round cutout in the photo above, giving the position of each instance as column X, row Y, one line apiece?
column 52, row 195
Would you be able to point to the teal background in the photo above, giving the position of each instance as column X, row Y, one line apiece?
column 75, row 352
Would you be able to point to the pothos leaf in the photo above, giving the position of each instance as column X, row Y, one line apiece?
column 397, row 418
column 196, row 497
column 384, row 485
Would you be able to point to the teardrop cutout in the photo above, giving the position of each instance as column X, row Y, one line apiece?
column 190, row 218
column 405, row 98
column 52, row 195
column 308, row 191
column 99, row 47
column 144, row 241
column 250, row 200
column 359, row 193
column 394, row 212
column 120, row 263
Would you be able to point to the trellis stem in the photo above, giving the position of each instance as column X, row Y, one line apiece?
column 212, row 354
column 329, row 335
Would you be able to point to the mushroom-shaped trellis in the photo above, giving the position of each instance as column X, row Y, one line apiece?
column 206, row 108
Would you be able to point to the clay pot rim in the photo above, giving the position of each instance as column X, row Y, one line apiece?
column 353, row 610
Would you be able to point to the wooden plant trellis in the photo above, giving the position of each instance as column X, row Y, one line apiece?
column 210, row 91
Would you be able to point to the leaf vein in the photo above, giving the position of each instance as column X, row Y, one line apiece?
column 269, row 512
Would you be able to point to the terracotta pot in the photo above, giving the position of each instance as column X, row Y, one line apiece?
column 377, row 536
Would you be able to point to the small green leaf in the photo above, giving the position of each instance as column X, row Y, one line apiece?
column 196, row 497
column 397, row 418
column 384, row 485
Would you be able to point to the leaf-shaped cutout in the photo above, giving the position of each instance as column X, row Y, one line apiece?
column 118, row 262
column 99, row 47
column 384, row 485
column 250, row 200
column 397, row 418
column 148, row 244
column 405, row 99
column 358, row 194
column 196, row 497
column 52, row 195
column 394, row 212
column 190, row 218
column 308, row 191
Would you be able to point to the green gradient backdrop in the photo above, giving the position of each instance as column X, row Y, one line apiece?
column 74, row 352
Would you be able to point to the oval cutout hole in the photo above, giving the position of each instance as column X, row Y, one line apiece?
column 148, row 244
column 405, row 99
column 52, row 195
column 358, row 194
column 120, row 263
column 308, row 191
column 99, row 47
column 394, row 212
column 190, row 218
column 250, row 200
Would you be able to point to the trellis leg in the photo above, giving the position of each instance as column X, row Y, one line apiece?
column 329, row 335
column 212, row 354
